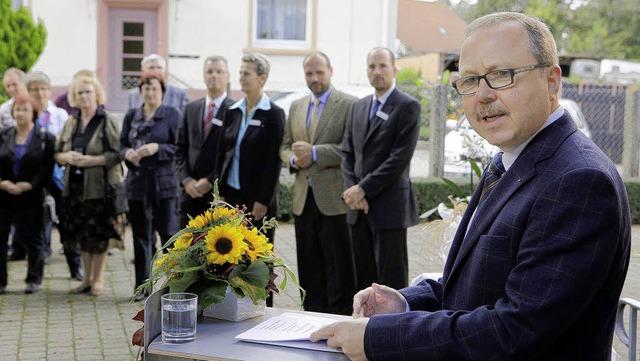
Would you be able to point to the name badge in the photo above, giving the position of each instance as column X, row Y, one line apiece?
column 382, row 115
column 255, row 123
column 217, row 122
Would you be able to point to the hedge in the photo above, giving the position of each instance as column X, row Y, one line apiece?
column 432, row 191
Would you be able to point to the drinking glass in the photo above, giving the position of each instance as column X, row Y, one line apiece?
column 179, row 317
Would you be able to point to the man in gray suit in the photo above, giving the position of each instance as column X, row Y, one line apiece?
column 197, row 141
column 173, row 97
column 311, row 148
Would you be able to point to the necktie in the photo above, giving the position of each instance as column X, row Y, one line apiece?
column 209, row 118
column 493, row 174
column 374, row 110
column 313, row 123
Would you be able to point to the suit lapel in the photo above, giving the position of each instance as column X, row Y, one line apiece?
column 198, row 122
column 329, row 108
column 299, row 117
column 540, row 148
column 376, row 123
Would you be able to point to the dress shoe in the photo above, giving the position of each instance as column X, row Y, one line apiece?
column 78, row 275
column 31, row 288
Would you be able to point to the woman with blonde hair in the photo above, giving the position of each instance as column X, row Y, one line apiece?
column 88, row 148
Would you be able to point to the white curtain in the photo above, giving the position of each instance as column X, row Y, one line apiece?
column 281, row 19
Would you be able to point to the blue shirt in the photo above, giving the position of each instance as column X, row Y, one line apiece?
column 233, row 180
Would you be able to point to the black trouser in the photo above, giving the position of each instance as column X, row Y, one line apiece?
column 237, row 198
column 27, row 220
column 380, row 254
column 193, row 207
column 325, row 260
column 145, row 219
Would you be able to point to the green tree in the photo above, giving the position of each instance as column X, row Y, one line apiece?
column 409, row 80
column 597, row 28
column 21, row 40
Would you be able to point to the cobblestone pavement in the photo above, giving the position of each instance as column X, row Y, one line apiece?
column 55, row 325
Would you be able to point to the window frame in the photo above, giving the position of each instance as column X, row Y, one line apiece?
column 280, row 46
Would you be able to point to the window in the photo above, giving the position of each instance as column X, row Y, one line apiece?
column 132, row 53
column 282, row 24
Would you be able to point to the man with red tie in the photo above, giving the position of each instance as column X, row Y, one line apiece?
column 198, row 138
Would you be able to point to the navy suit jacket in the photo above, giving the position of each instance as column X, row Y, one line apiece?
column 155, row 176
column 195, row 154
column 259, row 153
column 538, row 274
column 377, row 157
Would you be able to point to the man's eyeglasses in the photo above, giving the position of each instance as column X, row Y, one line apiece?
column 495, row 79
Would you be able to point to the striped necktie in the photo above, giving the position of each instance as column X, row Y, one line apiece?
column 209, row 118
column 313, row 123
column 492, row 176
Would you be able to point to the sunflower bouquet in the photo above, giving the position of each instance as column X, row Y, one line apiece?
column 219, row 249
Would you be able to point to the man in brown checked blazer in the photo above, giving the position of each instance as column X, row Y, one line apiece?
column 311, row 149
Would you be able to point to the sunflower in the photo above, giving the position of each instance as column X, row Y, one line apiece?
column 183, row 241
column 257, row 243
column 165, row 263
column 225, row 245
column 202, row 220
column 228, row 214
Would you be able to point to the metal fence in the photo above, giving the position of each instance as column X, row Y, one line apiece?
column 611, row 112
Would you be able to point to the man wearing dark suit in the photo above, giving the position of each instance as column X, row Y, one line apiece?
column 311, row 148
column 378, row 145
column 173, row 97
column 540, row 257
column 201, row 128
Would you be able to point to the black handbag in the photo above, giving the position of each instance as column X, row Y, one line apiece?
column 115, row 194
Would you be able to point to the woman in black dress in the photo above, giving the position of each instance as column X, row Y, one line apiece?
column 88, row 148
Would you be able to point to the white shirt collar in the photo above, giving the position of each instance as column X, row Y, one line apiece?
column 508, row 158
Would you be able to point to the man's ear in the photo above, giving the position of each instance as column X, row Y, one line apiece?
column 554, row 81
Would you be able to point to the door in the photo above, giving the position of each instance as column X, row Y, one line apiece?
column 134, row 34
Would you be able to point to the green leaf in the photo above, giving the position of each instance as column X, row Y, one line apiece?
column 476, row 168
column 182, row 283
column 209, row 292
column 251, row 280
column 454, row 188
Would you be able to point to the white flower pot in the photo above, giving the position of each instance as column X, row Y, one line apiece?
column 235, row 309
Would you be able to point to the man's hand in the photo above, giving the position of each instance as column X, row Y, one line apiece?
column 259, row 211
column 203, row 186
column 347, row 335
column 191, row 189
column 303, row 154
column 353, row 197
column 363, row 205
column 376, row 300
